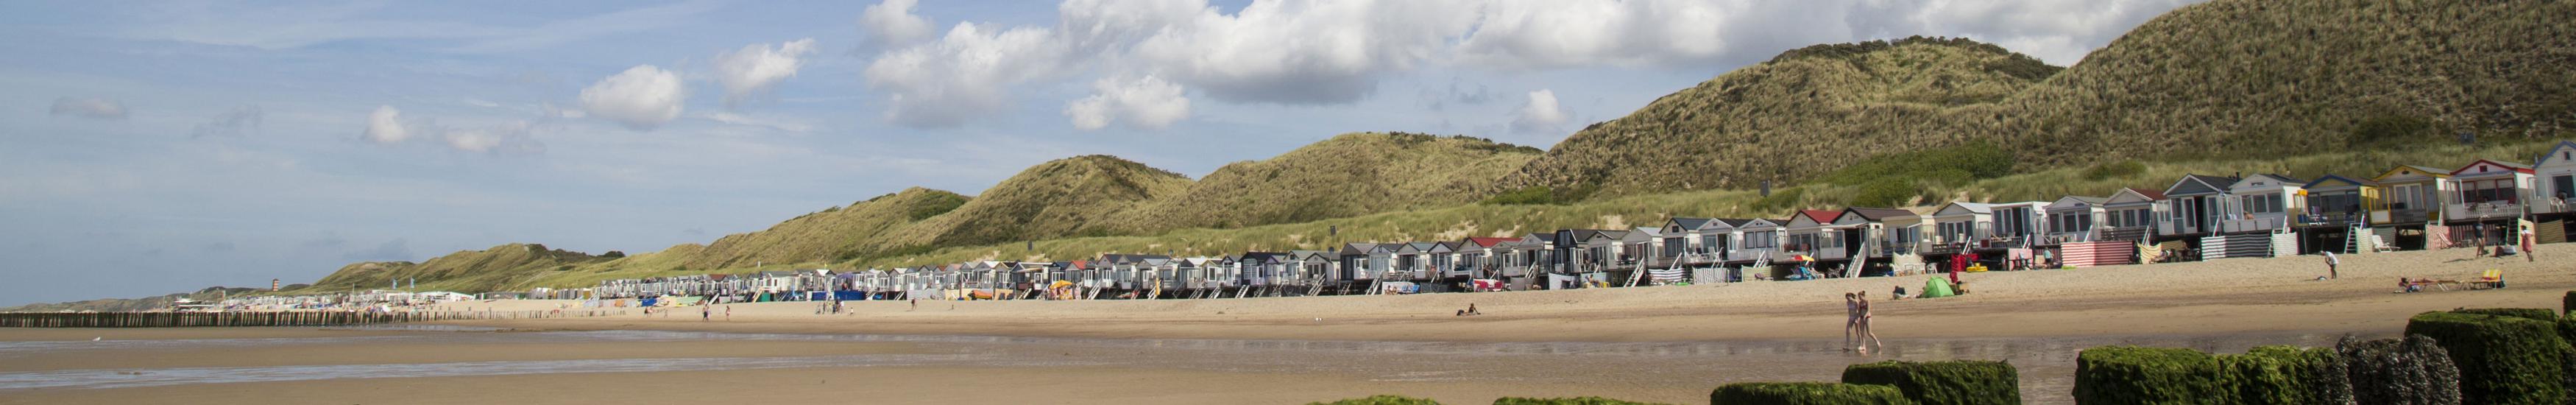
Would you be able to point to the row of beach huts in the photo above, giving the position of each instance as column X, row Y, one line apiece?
column 2197, row 217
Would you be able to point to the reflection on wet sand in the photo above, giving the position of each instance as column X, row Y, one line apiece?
column 2046, row 364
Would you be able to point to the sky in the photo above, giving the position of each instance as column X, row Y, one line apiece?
column 166, row 146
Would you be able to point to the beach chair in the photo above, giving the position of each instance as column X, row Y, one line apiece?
column 2492, row 278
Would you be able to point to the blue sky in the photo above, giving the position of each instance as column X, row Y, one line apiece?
column 155, row 147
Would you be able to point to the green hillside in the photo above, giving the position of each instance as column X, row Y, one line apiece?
column 2224, row 78
column 209, row 294
column 1794, row 117
column 472, row 270
column 837, row 233
column 1348, row 175
column 1051, row 200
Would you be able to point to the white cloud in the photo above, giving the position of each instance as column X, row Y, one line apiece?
column 757, row 67
column 963, row 75
column 641, row 98
column 1540, row 114
column 750, row 121
column 386, row 126
column 891, row 23
column 1337, row 52
column 1303, row 52
column 240, row 121
column 1558, row 34
column 89, row 107
column 1146, row 103
column 2058, row 32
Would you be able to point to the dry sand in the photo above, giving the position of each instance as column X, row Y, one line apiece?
column 2234, row 297
column 2216, row 297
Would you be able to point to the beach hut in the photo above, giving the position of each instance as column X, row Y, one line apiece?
column 1756, row 241
column 2556, row 174
column 2265, row 203
column 1872, row 237
column 2075, row 219
column 2490, row 196
column 2489, row 192
column 2130, row 215
column 2553, row 204
column 1958, row 226
column 2410, row 206
column 2337, row 216
column 1811, row 234
column 1482, row 258
column 1441, row 263
column 2197, row 203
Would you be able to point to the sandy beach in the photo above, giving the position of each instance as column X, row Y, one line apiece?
column 2215, row 297
column 1667, row 344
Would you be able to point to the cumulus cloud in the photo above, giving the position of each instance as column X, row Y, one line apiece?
column 757, row 67
column 1310, row 52
column 2058, row 32
column 1303, row 52
column 641, row 98
column 1145, row 103
column 891, row 23
column 386, row 126
column 1540, row 113
column 241, row 120
column 1560, row 34
column 88, row 107
column 963, row 75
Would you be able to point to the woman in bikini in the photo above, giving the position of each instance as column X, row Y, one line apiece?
column 1851, row 319
column 1862, row 311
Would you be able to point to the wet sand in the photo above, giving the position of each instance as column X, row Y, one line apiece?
column 1669, row 344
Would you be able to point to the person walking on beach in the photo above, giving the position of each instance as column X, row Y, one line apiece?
column 706, row 313
column 1851, row 319
column 2479, row 238
column 1864, row 323
column 2529, row 238
column 2331, row 263
column 728, row 313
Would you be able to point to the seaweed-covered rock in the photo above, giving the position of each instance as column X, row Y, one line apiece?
column 1566, row 401
column 1943, row 382
column 2287, row 375
column 2502, row 359
column 1806, row 393
column 2537, row 314
column 2410, row 371
column 1381, row 400
column 2147, row 375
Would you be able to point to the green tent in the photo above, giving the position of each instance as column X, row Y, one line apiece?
column 1937, row 288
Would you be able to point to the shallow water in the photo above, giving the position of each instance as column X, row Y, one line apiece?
column 2046, row 364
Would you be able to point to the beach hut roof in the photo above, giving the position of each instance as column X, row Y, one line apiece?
column 2199, row 184
column 2072, row 202
column 1686, row 223
column 1966, row 207
column 1820, row 216
column 2565, row 151
column 1877, row 214
column 2334, row 181
column 2402, row 170
column 2513, row 167
column 1489, row 242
